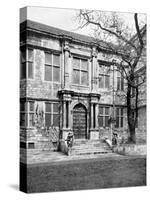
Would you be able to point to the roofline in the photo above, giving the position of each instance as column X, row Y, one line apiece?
column 64, row 35
column 61, row 32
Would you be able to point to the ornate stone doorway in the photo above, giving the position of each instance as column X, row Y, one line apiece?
column 80, row 121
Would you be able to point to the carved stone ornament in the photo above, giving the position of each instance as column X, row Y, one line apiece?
column 94, row 53
column 67, row 48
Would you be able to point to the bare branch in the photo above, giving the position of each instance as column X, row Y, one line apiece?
column 138, row 30
column 88, row 20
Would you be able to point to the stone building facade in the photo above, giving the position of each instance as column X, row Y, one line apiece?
column 67, row 84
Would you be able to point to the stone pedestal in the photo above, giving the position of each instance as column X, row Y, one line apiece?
column 94, row 134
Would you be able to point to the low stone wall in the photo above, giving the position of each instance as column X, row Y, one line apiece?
column 130, row 149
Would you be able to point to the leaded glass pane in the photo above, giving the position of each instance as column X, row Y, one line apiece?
column 118, row 83
column 22, row 119
column 23, row 56
column 23, row 70
column 30, row 70
column 48, row 107
column 106, row 81
column 106, row 121
column 55, row 120
column 31, row 119
column 84, row 65
column 84, row 78
column 56, row 60
column 48, row 58
column 100, row 121
column 121, row 111
column 117, row 111
column 121, row 121
column 117, row 122
column 76, row 76
column 30, row 55
column 76, row 63
column 101, row 110
column 47, row 120
column 56, row 74
column 122, row 83
column 101, row 81
column 48, row 73
column 107, row 111
column 55, row 108
column 22, row 106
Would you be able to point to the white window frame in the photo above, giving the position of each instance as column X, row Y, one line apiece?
column 51, row 113
column 104, row 75
column 52, row 65
column 80, row 70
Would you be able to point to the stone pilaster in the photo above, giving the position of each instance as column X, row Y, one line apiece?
column 91, row 116
column 69, row 114
column 64, row 114
column 94, row 130
column 96, row 117
column 66, row 65
column 94, row 69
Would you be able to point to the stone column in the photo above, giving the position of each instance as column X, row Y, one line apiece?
column 94, row 130
column 96, row 117
column 69, row 114
column 66, row 64
column 64, row 114
column 91, row 117
column 94, row 69
column 62, row 69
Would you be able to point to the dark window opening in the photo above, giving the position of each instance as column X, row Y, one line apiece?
column 31, row 145
column 23, row 145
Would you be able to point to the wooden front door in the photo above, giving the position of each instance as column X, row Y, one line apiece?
column 80, row 122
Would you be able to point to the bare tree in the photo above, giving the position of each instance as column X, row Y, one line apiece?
column 129, row 48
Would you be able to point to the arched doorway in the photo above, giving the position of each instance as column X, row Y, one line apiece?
column 80, row 121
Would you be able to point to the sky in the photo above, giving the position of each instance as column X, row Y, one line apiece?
column 64, row 18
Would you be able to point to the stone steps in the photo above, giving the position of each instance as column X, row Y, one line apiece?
column 89, row 147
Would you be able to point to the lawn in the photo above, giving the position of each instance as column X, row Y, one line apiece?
column 86, row 174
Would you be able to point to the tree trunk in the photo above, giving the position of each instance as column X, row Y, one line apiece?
column 131, row 119
column 132, row 138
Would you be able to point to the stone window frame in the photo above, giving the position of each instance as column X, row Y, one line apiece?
column 103, row 74
column 104, row 115
column 52, row 113
column 27, row 112
column 119, row 117
column 26, row 61
column 52, row 65
column 80, row 70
